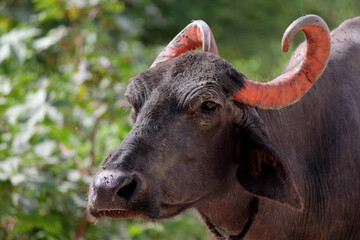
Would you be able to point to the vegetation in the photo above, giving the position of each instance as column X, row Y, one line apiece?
column 64, row 67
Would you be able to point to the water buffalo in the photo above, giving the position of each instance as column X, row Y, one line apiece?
column 276, row 160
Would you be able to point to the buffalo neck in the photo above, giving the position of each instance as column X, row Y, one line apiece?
column 220, row 234
column 229, row 214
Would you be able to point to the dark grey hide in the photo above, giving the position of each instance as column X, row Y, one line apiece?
column 251, row 174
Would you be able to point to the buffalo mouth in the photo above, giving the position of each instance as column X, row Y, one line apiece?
column 117, row 214
column 165, row 211
column 112, row 213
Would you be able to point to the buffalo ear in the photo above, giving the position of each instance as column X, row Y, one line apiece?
column 261, row 171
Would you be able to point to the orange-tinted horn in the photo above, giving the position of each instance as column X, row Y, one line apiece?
column 195, row 35
column 290, row 86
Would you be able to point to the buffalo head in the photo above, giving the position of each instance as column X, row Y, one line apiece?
column 196, row 132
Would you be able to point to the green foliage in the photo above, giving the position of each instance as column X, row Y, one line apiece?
column 64, row 67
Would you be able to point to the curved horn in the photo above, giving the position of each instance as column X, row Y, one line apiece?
column 195, row 35
column 290, row 86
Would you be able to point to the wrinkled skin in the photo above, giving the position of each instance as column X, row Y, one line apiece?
column 294, row 172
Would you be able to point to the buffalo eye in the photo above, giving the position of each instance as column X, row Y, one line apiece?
column 209, row 106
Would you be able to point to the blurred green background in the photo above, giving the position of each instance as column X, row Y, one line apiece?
column 64, row 67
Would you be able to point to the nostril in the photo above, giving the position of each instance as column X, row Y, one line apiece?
column 126, row 191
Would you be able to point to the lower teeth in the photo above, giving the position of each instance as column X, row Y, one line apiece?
column 119, row 212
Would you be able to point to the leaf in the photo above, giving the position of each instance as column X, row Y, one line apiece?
column 49, row 223
column 43, row 4
column 37, row 115
column 17, row 179
column 100, row 111
column 34, row 100
column 54, row 114
column 34, row 110
column 73, row 175
column 4, row 52
column 79, row 201
column 82, row 73
column 134, row 230
column 51, row 38
column 20, row 144
column 5, row 84
column 14, row 40
column 18, row 35
column 45, row 148
column 104, row 62
column 14, row 112
column 8, row 167
column 73, row 11
column 21, row 228
column 20, row 51
column 30, row 109
column 67, row 186
column 80, row 115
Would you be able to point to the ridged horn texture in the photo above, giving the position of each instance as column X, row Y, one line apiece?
column 290, row 86
column 195, row 35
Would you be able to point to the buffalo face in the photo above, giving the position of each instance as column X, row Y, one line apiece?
column 190, row 140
